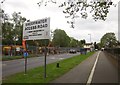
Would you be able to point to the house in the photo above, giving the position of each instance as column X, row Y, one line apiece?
column 89, row 46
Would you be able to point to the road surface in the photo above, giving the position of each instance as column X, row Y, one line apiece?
column 106, row 70
column 99, row 68
column 15, row 66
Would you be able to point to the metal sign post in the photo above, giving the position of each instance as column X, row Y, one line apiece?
column 25, row 65
column 45, row 51
column 45, row 60
column 25, row 56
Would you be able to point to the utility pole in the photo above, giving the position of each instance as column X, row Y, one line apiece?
column 1, row 17
column 1, row 14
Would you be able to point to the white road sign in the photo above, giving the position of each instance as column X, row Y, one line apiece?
column 36, row 30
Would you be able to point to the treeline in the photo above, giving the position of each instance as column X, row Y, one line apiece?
column 61, row 39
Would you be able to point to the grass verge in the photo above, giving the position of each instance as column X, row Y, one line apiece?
column 36, row 75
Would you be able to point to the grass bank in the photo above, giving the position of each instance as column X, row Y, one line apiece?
column 36, row 75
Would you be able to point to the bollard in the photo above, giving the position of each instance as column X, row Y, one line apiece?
column 57, row 65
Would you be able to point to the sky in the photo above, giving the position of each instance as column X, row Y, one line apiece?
column 83, row 27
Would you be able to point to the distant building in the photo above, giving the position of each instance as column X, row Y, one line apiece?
column 89, row 46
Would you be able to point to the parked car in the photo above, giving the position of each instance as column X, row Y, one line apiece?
column 72, row 51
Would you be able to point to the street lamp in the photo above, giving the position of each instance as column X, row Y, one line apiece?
column 90, row 37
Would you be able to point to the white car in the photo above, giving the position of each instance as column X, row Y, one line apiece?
column 102, row 49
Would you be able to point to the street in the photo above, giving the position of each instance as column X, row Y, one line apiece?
column 15, row 66
column 105, row 71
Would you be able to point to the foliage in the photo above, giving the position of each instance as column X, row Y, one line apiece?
column 12, row 29
column 109, row 40
column 77, row 43
column 7, row 33
column 96, row 45
column 60, row 38
column 73, row 8
column 38, row 42
column 73, row 42
column 83, row 41
column 98, row 7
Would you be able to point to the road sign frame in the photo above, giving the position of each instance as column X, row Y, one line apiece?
column 37, row 30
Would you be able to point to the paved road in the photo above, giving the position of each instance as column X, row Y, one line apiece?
column 15, row 66
column 104, row 71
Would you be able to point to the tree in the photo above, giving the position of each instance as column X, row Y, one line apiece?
column 7, row 33
column 109, row 40
column 98, row 8
column 73, row 42
column 12, row 29
column 96, row 45
column 43, row 42
column 80, row 44
column 99, row 45
column 60, row 38
column 83, row 41
column 18, row 27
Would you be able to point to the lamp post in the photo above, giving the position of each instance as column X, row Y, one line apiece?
column 90, row 37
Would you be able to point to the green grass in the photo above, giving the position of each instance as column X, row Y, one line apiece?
column 6, row 58
column 36, row 75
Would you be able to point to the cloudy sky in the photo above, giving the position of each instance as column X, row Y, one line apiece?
column 83, row 27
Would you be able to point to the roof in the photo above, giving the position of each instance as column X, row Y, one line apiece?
column 88, row 43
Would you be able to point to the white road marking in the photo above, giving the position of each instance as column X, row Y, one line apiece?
column 93, row 70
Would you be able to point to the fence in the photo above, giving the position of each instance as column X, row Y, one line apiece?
column 11, row 50
column 114, row 52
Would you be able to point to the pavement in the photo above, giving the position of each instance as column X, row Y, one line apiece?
column 98, row 68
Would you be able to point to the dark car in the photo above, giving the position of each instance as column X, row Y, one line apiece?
column 72, row 51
